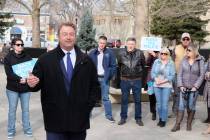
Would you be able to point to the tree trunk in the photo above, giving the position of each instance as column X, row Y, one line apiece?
column 2, row 4
column 36, row 24
column 110, row 17
column 140, row 22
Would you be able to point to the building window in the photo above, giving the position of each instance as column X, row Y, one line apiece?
column 99, row 21
column 103, row 21
column 117, row 21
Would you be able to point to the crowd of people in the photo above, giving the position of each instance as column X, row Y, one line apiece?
column 82, row 80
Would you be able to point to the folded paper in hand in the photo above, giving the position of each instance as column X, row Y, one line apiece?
column 23, row 69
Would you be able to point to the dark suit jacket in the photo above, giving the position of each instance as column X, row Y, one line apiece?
column 63, row 112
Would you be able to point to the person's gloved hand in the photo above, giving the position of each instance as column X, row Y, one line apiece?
column 183, row 89
column 194, row 89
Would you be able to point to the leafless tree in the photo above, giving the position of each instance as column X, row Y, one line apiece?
column 33, row 8
column 180, row 8
column 128, row 6
column 69, row 10
column 2, row 3
column 138, row 10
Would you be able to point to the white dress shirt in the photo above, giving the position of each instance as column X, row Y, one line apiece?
column 72, row 56
column 100, row 67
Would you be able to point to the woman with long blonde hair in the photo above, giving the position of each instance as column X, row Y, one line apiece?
column 163, row 73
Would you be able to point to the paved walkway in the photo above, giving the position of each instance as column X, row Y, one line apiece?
column 101, row 129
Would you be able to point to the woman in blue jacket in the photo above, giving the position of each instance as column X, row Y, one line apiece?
column 163, row 73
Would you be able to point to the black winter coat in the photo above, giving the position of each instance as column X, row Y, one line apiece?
column 62, row 112
column 13, row 80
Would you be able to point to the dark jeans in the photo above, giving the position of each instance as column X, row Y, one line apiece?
column 152, row 101
column 126, row 86
column 66, row 136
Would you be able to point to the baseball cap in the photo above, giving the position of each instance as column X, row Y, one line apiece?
column 185, row 35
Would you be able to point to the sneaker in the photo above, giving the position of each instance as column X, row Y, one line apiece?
column 121, row 122
column 11, row 135
column 111, row 119
column 139, row 122
column 28, row 133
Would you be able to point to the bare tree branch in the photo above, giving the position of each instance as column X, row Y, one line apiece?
column 132, row 5
column 2, row 3
column 180, row 8
column 24, row 5
column 159, row 10
column 44, row 3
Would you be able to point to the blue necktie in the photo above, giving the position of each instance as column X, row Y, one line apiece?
column 69, row 69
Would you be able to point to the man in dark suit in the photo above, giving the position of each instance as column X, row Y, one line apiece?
column 69, row 87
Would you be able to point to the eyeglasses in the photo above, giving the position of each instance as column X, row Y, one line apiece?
column 19, row 45
column 187, row 39
column 163, row 54
column 188, row 50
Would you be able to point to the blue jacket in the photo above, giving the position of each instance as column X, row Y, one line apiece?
column 109, row 62
column 169, row 71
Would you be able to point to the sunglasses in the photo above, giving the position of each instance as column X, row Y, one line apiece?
column 163, row 54
column 188, row 50
column 19, row 45
column 187, row 39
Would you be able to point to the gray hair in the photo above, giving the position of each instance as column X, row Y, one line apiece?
column 69, row 24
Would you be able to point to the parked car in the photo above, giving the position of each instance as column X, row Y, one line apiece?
column 114, row 43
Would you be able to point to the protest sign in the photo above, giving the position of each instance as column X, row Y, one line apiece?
column 151, row 43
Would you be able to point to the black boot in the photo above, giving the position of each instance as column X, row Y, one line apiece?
column 179, row 119
column 208, row 118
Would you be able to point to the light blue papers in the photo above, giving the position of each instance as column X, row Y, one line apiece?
column 23, row 69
